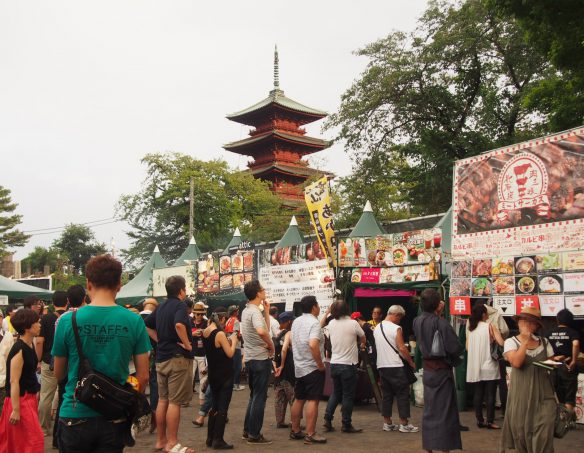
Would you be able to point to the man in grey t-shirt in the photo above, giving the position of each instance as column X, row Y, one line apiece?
column 257, row 350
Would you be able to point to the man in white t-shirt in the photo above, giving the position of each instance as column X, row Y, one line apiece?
column 344, row 333
column 391, row 349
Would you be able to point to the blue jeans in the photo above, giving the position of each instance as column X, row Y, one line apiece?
column 236, row 366
column 153, row 384
column 258, row 375
column 208, row 403
column 344, row 383
column 90, row 435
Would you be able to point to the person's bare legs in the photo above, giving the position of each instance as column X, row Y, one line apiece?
column 172, row 422
column 296, row 414
column 311, row 416
column 161, row 423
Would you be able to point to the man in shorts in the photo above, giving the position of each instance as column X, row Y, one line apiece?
column 309, row 370
column 170, row 327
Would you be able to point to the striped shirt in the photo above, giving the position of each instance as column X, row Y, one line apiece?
column 304, row 329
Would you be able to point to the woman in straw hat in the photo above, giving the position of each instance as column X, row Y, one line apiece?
column 531, row 404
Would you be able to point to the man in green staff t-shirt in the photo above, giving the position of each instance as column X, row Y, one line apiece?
column 110, row 337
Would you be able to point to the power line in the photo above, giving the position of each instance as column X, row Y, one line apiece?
column 90, row 226
column 65, row 226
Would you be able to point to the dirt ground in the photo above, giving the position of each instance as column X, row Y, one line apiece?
column 373, row 439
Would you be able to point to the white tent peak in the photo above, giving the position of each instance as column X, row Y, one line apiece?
column 237, row 233
column 293, row 222
column 367, row 207
column 156, row 249
column 192, row 241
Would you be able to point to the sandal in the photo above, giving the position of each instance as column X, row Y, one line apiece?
column 178, row 448
column 493, row 426
column 198, row 424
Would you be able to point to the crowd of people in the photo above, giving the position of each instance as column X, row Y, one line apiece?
column 173, row 345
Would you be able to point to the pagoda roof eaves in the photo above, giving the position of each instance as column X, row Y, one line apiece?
column 299, row 139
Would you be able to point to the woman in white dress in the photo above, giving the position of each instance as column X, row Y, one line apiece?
column 482, row 370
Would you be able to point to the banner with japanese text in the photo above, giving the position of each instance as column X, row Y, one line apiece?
column 318, row 201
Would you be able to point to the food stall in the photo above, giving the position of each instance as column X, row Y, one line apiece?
column 518, row 230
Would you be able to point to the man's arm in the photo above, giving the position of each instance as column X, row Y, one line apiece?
column 142, row 364
column 575, row 352
column 401, row 346
column 40, row 341
column 181, row 331
column 152, row 334
column 263, row 330
column 60, row 367
column 314, row 344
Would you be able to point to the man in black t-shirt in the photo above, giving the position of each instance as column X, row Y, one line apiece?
column 566, row 343
column 43, row 346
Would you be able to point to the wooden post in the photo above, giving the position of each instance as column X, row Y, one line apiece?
column 192, row 208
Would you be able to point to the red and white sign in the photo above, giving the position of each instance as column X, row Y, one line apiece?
column 522, row 302
column 460, row 306
column 504, row 305
column 574, row 283
column 370, row 275
column 551, row 305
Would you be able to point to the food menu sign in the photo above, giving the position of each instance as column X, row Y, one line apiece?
column 290, row 273
column 548, row 281
column 522, row 200
column 391, row 250
column 228, row 272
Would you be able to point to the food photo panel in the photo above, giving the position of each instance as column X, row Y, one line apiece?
column 550, row 284
column 525, row 285
column 481, row 287
column 482, row 268
column 524, row 265
column 503, row 266
column 461, row 269
column 460, row 287
column 503, row 286
column 548, row 263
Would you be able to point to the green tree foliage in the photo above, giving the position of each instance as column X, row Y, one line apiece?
column 77, row 244
column 452, row 88
column 224, row 199
column 39, row 258
column 555, row 29
column 10, row 236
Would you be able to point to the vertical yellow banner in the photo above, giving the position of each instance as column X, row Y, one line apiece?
column 318, row 200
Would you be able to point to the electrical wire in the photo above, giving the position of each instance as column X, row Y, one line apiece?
column 65, row 226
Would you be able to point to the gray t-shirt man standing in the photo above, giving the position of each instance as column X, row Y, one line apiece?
column 257, row 348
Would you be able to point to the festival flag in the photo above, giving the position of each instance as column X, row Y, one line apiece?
column 318, row 201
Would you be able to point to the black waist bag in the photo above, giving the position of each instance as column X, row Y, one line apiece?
column 100, row 392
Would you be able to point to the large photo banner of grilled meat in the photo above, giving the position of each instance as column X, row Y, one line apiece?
column 522, row 199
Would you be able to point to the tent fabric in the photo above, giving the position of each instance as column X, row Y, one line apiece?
column 235, row 241
column 17, row 290
column 445, row 224
column 291, row 237
column 191, row 253
column 140, row 286
column 367, row 226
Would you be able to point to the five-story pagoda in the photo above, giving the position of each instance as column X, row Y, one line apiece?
column 278, row 142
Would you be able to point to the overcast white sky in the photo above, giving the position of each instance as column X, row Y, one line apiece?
column 89, row 87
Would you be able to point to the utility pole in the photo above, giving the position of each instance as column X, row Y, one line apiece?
column 192, row 208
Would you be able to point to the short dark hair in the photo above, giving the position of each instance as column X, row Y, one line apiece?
column 273, row 311
column 340, row 309
column 429, row 300
column 307, row 302
column 189, row 303
column 76, row 295
column 23, row 319
column 251, row 289
column 10, row 309
column 60, row 299
column 174, row 284
column 29, row 301
column 565, row 317
column 104, row 271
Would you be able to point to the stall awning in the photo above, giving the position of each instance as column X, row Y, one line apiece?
column 381, row 292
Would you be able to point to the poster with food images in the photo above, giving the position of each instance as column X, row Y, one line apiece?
column 481, row 287
column 550, row 284
column 574, row 282
column 503, row 266
column 208, row 275
column 460, row 287
column 524, row 265
column 548, row 263
column 575, row 304
column 237, row 266
column 461, row 269
column 482, row 268
column 523, row 199
column 550, row 305
column 405, row 274
column 573, row 261
column 525, row 284
column 503, row 285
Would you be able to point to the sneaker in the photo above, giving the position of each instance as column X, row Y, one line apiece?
column 351, row 429
column 390, row 427
column 259, row 441
column 297, row 436
column 314, row 439
column 245, row 435
column 238, row 388
column 409, row 428
column 328, row 426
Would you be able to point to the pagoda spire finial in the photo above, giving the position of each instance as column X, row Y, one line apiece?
column 276, row 69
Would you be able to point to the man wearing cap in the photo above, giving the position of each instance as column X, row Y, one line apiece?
column 200, row 363
column 391, row 348
column 232, row 325
column 283, row 369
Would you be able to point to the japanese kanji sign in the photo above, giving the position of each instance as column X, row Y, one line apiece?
column 460, row 305
column 318, row 201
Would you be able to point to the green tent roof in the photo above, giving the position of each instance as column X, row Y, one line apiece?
column 17, row 290
column 235, row 241
column 292, row 235
column 140, row 286
column 445, row 224
column 367, row 226
column 191, row 253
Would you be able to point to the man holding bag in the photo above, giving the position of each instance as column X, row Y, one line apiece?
column 391, row 355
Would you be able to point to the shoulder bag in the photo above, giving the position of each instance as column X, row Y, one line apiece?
column 100, row 392
column 409, row 372
column 496, row 350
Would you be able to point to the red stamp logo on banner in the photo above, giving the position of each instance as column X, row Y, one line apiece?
column 460, row 305
column 522, row 302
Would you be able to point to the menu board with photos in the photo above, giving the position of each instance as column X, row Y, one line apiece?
column 389, row 250
column 229, row 272
column 547, row 280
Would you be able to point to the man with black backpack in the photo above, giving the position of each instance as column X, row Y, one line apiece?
column 283, row 369
column 109, row 337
